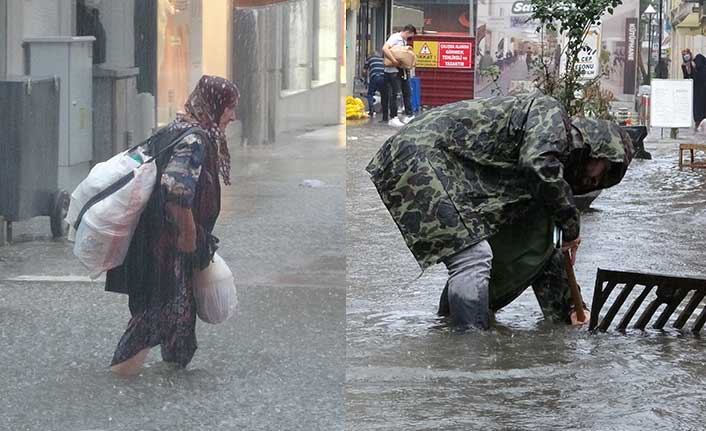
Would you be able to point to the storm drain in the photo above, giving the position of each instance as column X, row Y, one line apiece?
column 635, row 300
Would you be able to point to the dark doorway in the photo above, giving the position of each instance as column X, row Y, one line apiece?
column 145, row 22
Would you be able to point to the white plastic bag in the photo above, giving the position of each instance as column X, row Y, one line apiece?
column 99, row 250
column 105, row 231
column 99, row 178
column 214, row 292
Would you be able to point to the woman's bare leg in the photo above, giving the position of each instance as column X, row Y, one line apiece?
column 132, row 366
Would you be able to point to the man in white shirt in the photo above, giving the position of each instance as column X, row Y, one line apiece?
column 397, row 79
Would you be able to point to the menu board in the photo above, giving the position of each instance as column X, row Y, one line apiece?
column 671, row 103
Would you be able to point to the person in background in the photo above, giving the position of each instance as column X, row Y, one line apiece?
column 699, row 77
column 486, row 60
column 397, row 79
column 688, row 66
column 88, row 23
column 374, row 70
column 662, row 69
column 529, row 59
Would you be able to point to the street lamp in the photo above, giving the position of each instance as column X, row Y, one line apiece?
column 650, row 11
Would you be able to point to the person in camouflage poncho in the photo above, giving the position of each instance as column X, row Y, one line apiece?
column 465, row 173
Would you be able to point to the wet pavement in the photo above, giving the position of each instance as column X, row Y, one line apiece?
column 405, row 371
column 277, row 365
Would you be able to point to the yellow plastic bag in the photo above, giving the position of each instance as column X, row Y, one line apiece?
column 355, row 109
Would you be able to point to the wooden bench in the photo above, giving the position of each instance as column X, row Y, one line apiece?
column 691, row 148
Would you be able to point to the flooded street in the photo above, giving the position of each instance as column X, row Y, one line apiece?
column 276, row 365
column 405, row 371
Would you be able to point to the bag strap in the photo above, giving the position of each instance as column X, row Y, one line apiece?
column 172, row 144
column 120, row 183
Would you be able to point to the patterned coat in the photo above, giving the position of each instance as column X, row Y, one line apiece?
column 458, row 173
column 189, row 177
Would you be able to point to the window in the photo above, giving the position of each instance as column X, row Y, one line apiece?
column 174, row 57
column 432, row 15
column 297, row 47
column 326, row 12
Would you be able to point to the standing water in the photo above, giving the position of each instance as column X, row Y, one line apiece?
column 406, row 371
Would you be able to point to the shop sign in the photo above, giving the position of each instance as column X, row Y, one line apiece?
column 631, row 43
column 522, row 8
column 457, row 55
column 588, row 63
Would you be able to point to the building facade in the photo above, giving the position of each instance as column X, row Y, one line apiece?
column 286, row 58
column 688, row 30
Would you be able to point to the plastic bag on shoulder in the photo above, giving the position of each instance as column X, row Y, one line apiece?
column 105, row 231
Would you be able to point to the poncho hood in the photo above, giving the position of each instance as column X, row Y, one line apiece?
column 604, row 139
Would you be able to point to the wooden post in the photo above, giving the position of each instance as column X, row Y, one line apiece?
column 576, row 297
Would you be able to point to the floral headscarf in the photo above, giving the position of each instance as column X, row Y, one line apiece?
column 205, row 106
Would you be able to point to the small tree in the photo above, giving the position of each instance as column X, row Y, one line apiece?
column 493, row 73
column 570, row 20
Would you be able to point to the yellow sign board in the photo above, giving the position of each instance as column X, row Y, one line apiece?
column 427, row 53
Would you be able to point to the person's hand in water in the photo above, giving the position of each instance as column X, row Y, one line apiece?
column 576, row 322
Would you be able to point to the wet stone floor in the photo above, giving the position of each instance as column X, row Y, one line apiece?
column 406, row 371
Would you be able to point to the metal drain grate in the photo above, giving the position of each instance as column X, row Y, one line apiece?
column 647, row 294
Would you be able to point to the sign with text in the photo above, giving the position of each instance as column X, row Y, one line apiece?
column 427, row 53
column 631, row 46
column 671, row 103
column 589, row 58
column 588, row 63
column 457, row 55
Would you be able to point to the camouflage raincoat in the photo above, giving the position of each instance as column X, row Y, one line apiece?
column 457, row 174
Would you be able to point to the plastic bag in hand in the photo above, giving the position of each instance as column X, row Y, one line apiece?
column 214, row 292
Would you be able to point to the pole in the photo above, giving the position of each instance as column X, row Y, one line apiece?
column 649, row 49
column 661, row 26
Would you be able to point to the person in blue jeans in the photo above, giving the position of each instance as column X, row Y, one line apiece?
column 397, row 79
column 375, row 71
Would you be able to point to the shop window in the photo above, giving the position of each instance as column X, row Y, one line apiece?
column 326, row 44
column 174, row 28
column 296, row 46
column 432, row 15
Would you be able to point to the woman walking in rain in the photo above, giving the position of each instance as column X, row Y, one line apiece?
column 479, row 185
column 173, row 238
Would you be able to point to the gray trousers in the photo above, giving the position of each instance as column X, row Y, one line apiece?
column 468, row 287
column 465, row 297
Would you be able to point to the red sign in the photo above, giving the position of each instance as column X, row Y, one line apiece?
column 456, row 55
